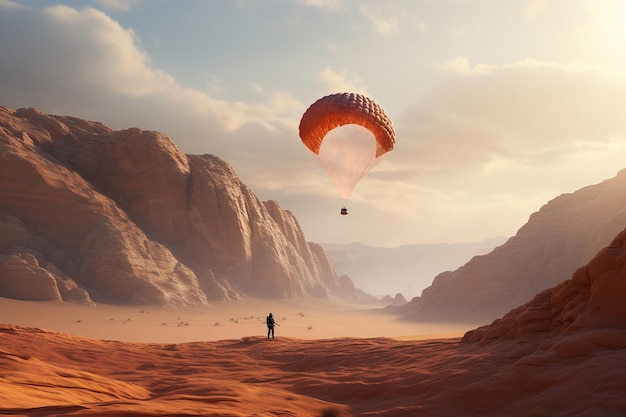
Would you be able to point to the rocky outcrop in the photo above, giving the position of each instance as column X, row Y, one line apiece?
column 563, row 235
column 21, row 277
column 129, row 218
column 590, row 303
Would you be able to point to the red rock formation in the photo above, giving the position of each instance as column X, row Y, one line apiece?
column 21, row 277
column 581, row 313
column 563, row 235
column 141, row 222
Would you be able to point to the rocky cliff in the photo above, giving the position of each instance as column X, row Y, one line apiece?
column 582, row 314
column 87, row 212
column 563, row 235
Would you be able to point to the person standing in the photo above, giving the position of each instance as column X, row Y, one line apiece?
column 270, row 325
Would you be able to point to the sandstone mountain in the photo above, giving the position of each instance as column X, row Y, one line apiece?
column 590, row 303
column 90, row 213
column 563, row 235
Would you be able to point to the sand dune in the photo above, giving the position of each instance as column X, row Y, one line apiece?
column 216, row 360
column 50, row 374
column 324, row 362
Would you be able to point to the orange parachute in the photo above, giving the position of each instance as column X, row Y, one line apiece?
column 349, row 134
column 341, row 109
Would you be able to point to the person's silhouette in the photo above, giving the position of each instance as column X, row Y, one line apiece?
column 270, row 325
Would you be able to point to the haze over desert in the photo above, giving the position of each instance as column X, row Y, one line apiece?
column 300, row 318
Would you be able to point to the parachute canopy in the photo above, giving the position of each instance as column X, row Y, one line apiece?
column 349, row 134
column 341, row 109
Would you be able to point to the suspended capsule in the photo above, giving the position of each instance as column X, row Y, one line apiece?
column 349, row 134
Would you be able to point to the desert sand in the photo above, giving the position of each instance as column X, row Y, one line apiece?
column 58, row 358
column 327, row 360
column 301, row 318
column 54, row 374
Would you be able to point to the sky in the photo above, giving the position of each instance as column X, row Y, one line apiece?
column 498, row 105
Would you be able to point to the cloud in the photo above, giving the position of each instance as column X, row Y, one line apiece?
column 331, row 5
column 526, row 113
column 461, row 65
column 121, row 5
column 115, row 63
column 336, row 82
column 383, row 25
column 93, row 62
column 484, row 149
column 8, row 4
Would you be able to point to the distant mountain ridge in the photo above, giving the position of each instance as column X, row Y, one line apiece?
column 559, row 238
column 406, row 269
column 90, row 213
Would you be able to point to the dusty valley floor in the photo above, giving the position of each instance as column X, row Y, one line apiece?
column 298, row 318
column 326, row 361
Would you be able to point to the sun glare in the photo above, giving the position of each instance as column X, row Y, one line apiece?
column 624, row 21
